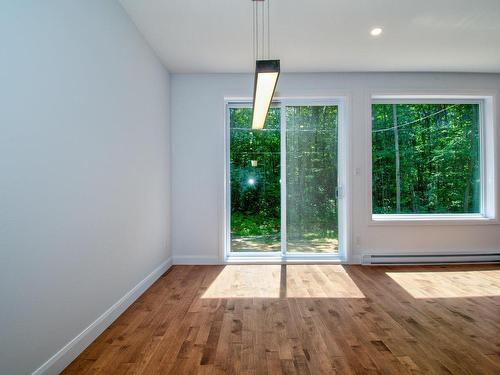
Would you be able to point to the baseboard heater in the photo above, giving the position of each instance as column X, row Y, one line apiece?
column 457, row 258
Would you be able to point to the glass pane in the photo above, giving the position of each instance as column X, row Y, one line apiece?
column 255, row 182
column 311, row 172
column 425, row 158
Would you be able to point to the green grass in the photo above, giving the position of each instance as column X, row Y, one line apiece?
column 254, row 224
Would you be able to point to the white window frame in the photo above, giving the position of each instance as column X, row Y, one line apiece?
column 487, row 146
column 342, row 159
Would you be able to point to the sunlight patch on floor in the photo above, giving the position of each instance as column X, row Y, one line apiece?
column 452, row 284
column 276, row 281
column 320, row 281
column 247, row 281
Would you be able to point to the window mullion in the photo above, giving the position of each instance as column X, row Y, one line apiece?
column 283, row 178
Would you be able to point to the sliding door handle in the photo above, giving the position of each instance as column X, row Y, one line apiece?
column 339, row 192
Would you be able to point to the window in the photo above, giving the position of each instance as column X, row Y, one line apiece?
column 283, row 180
column 427, row 157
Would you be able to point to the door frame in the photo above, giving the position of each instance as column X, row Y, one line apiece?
column 342, row 158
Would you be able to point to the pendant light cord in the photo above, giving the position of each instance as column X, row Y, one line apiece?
column 256, row 31
column 268, row 32
column 253, row 31
column 263, row 29
column 259, row 46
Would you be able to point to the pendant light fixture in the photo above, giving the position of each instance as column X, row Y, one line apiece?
column 267, row 71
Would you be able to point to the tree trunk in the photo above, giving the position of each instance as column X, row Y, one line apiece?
column 470, row 166
column 396, row 147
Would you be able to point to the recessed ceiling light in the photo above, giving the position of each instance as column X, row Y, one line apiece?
column 376, row 31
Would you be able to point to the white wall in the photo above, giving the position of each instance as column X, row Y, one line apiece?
column 198, row 160
column 84, row 171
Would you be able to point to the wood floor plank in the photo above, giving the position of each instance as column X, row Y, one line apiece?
column 306, row 319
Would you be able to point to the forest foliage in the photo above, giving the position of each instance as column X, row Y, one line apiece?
column 311, row 173
column 255, row 190
column 425, row 159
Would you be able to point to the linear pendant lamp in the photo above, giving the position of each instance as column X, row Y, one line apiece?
column 267, row 71
column 266, row 78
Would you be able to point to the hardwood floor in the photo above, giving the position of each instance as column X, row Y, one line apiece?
column 306, row 319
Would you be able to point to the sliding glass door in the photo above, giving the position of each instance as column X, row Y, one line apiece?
column 311, row 179
column 283, row 181
column 255, row 198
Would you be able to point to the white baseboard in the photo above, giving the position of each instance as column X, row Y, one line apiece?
column 195, row 260
column 72, row 349
column 355, row 259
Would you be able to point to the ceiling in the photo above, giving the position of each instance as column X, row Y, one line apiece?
column 215, row 36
